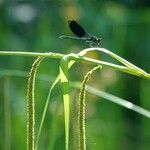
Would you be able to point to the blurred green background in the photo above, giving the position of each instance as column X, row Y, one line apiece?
column 35, row 26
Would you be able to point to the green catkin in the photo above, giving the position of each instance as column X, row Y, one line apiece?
column 30, row 104
column 81, row 111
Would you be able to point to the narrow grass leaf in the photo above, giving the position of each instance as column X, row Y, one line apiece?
column 65, row 88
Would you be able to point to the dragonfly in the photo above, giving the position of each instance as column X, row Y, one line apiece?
column 81, row 34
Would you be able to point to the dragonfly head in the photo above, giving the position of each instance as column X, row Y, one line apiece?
column 98, row 40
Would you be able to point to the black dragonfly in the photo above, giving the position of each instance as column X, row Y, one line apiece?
column 81, row 34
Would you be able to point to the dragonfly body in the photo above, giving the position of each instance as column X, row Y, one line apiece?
column 81, row 34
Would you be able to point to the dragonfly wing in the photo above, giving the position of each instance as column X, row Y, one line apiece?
column 77, row 29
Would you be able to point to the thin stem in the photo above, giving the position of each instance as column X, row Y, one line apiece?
column 127, row 66
column 7, row 115
column 47, row 54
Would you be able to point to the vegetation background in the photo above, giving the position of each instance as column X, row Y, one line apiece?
column 35, row 26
